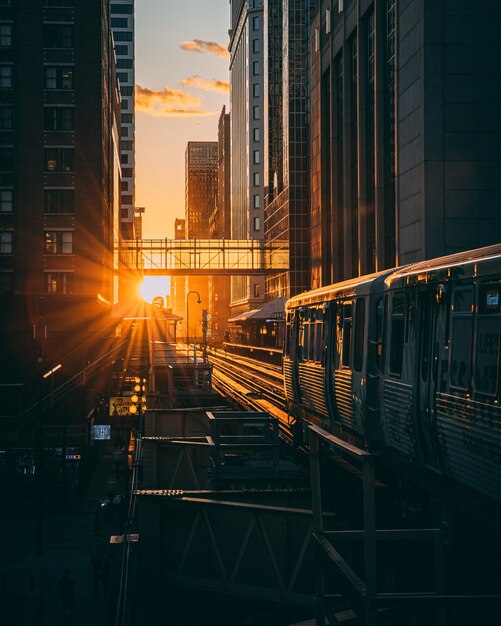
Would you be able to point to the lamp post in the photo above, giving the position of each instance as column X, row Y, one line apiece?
column 199, row 301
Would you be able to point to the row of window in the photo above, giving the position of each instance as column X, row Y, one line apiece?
column 56, row 77
column 54, row 282
column 56, row 159
column 55, row 242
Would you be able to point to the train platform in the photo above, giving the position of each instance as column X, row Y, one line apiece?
column 32, row 589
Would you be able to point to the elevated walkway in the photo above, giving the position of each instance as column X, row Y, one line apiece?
column 211, row 257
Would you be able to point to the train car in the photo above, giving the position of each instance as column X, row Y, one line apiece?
column 406, row 361
column 332, row 354
column 440, row 369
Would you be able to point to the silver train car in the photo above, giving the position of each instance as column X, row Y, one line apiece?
column 406, row 362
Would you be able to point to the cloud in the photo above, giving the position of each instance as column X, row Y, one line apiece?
column 200, row 46
column 168, row 102
column 220, row 86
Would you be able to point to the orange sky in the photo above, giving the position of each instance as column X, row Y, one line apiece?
column 182, row 74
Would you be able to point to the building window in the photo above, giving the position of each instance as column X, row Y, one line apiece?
column 256, row 90
column 125, row 104
column 59, row 201
column 58, row 77
column 257, row 290
column 255, row 22
column 6, row 237
column 124, row 64
column 59, row 118
column 124, row 185
column 59, row 159
column 256, row 112
column 124, row 158
column 123, row 77
column 58, row 36
column 5, row 76
column 5, row 35
column 256, row 202
column 59, row 283
column 257, row 223
column 256, row 134
column 58, row 242
column 124, row 131
column 126, row 91
column 255, row 45
column 123, row 36
column 127, row 119
column 6, row 282
column 256, row 157
column 256, row 179
column 6, row 118
column 119, row 22
column 58, row 3
column 121, row 9
column 6, row 200
column 122, row 51
column 256, row 68
column 127, row 172
column 6, row 159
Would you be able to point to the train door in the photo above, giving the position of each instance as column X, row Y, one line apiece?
column 330, row 355
column 426, row 374
column 296, row 346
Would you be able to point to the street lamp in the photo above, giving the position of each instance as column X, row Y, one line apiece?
column 199, row 301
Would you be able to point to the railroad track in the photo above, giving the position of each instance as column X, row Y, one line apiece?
column 251, row 384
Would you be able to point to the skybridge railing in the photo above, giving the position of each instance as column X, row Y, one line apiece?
column 201, row 256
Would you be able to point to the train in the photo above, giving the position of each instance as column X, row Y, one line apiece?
column 406, row 363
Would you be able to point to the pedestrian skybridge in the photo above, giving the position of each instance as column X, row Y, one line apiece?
column 200, row 257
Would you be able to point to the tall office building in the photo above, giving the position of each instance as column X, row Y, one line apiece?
column 404, row 101
column 246, row 104
column 286, row 140
column 201, row 167
column 59, row 172
column 122, row 25
column 220, row 228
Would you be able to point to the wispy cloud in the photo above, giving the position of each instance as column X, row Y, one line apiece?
column 202, row 47
column 220, row 86
column 168, row 102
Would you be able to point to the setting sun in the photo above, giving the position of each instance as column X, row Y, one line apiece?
column 154, row 286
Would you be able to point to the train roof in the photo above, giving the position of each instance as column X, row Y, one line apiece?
column 362, row 284
column 356, row 286
column 425, row 268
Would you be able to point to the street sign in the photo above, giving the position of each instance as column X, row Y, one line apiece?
column 101, row 432
column 119, row 406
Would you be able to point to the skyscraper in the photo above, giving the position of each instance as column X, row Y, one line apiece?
column 59, row 132
column 404, row 99
column 122, row 24
column 246, row 104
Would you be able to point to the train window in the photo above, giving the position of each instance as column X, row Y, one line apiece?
column 488, row 340
column 288, row 332
column 318, row 342
column 462, row 328
column 311, row 341
column 345, row 354
column 358, row 345
column 379, row 332
column 397, row 334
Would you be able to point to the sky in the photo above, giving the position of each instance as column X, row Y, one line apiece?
column 181, row 86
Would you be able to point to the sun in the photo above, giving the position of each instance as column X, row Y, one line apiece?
column 154, row 286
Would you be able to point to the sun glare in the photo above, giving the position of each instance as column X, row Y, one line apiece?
column 154, row 286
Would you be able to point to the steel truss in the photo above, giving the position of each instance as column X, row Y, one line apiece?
column 361, row 594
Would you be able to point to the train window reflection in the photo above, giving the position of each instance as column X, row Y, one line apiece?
column 358, row 347
column 462, row 329
column 397, row 334
column 346, row 329
column 487, row 341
